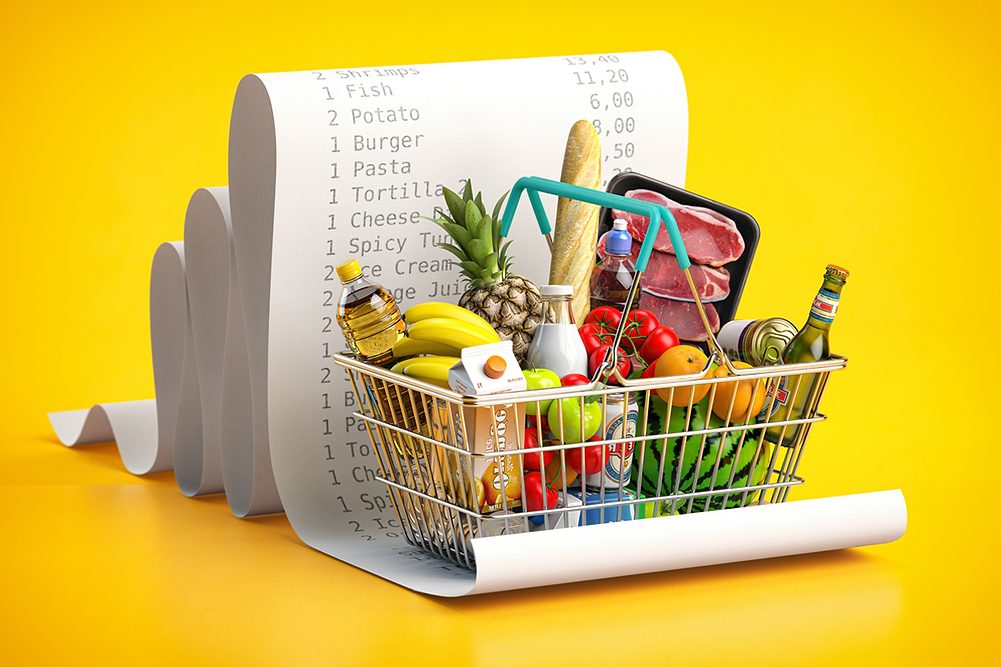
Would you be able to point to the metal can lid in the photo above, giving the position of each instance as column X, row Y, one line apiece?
column 502, row 523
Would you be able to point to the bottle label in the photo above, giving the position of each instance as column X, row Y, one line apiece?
column 825, row 306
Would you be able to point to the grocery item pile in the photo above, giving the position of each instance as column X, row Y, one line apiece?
column 602, row 396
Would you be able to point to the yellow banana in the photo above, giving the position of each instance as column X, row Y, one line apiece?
column 436, row 309
column 451, row 331
column 433, row 372
column 408, row 347
column 446, row 361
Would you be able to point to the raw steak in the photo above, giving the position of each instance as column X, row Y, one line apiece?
column 710, row 237
column 681, row 316
column 663, row 277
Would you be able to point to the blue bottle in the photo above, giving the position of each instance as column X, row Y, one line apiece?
column 613, row 275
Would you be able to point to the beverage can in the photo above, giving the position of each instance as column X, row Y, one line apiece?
column 757, row 342
column 621, row 419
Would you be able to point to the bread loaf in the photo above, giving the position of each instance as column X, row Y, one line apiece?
column 576, row 235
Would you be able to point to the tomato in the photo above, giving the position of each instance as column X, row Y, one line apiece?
column 592, row 336
column 532, row 461
column 606, row 318
column 639, row 324
column 535, row 487
column 657, row 343
column 598, row 355
column 574, row 379
column 648, row 372
column 592, row 455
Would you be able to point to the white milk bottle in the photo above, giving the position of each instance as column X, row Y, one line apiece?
column 556, row 344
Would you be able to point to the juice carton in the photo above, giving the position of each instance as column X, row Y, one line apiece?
column 487, row 483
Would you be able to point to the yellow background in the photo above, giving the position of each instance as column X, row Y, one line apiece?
column 865, row 135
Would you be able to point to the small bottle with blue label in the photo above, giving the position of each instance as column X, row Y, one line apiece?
column 613, row 275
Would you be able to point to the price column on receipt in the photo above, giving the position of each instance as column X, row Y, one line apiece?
column 604, row 80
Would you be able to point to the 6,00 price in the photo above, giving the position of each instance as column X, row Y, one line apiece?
column 618, row 100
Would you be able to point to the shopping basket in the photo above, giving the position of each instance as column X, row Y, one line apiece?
column 694, row 445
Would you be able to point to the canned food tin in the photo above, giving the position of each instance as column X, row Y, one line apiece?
column 757, row 342
column 620, row 422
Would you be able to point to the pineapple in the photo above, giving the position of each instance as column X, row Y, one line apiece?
column 511, row 303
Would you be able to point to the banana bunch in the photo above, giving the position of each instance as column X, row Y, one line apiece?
column 442, row 329
column 433, row 370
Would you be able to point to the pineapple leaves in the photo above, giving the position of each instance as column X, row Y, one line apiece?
column 461, row 256
column 491, row 264
column 499, row 204
column 485, row 232
column 478, row 249
column 503, row 260
column 456, row 206
column 472, row 217
column 457, row 232
column 476, row 235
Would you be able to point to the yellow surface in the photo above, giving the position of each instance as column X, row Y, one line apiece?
column 867, row 136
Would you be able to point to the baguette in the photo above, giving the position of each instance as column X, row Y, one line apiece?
column 576, row 237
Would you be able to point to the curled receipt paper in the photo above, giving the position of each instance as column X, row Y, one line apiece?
column 332, row 164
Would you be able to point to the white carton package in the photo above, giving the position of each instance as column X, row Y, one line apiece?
column 487, row 369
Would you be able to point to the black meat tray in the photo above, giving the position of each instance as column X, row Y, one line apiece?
column 746, row 225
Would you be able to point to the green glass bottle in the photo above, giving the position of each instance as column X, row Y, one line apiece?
column 810, row 344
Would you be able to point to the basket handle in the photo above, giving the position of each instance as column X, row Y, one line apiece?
column 533, row 185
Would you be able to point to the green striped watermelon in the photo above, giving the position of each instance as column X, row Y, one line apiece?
column 676, row 465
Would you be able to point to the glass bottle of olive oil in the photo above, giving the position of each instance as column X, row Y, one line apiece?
column 369, row 317
column 810, row 344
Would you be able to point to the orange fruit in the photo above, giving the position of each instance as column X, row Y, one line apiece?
column 741, row 392
column 682, row 360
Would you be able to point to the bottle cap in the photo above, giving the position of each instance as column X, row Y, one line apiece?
column 837, row 271
column 349, row 270
column 618, row 241
column 557, row 290
column 494, row 367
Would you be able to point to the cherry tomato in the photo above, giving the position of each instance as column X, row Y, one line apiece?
column 623, row 364
column 606, row 318
column 639, row 325
column 592, row 458
column 534, row 488
column 574, row 379
column 592, row 336
column 657, row 343
column 648, row 372
column 532, row 461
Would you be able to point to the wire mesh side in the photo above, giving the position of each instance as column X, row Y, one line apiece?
column 719, row 443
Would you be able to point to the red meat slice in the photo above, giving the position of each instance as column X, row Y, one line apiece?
column 663, row 277
column 710, row 237
column 681, row 316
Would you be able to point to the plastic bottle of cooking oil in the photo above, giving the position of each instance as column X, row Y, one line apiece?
column 369, row 317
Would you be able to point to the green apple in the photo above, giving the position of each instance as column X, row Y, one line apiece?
column 540, row 378
column 568, row 428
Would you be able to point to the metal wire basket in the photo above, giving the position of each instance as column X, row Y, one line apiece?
column 456, row 466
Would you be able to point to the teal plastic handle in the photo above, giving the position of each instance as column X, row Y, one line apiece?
column 533, row 185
